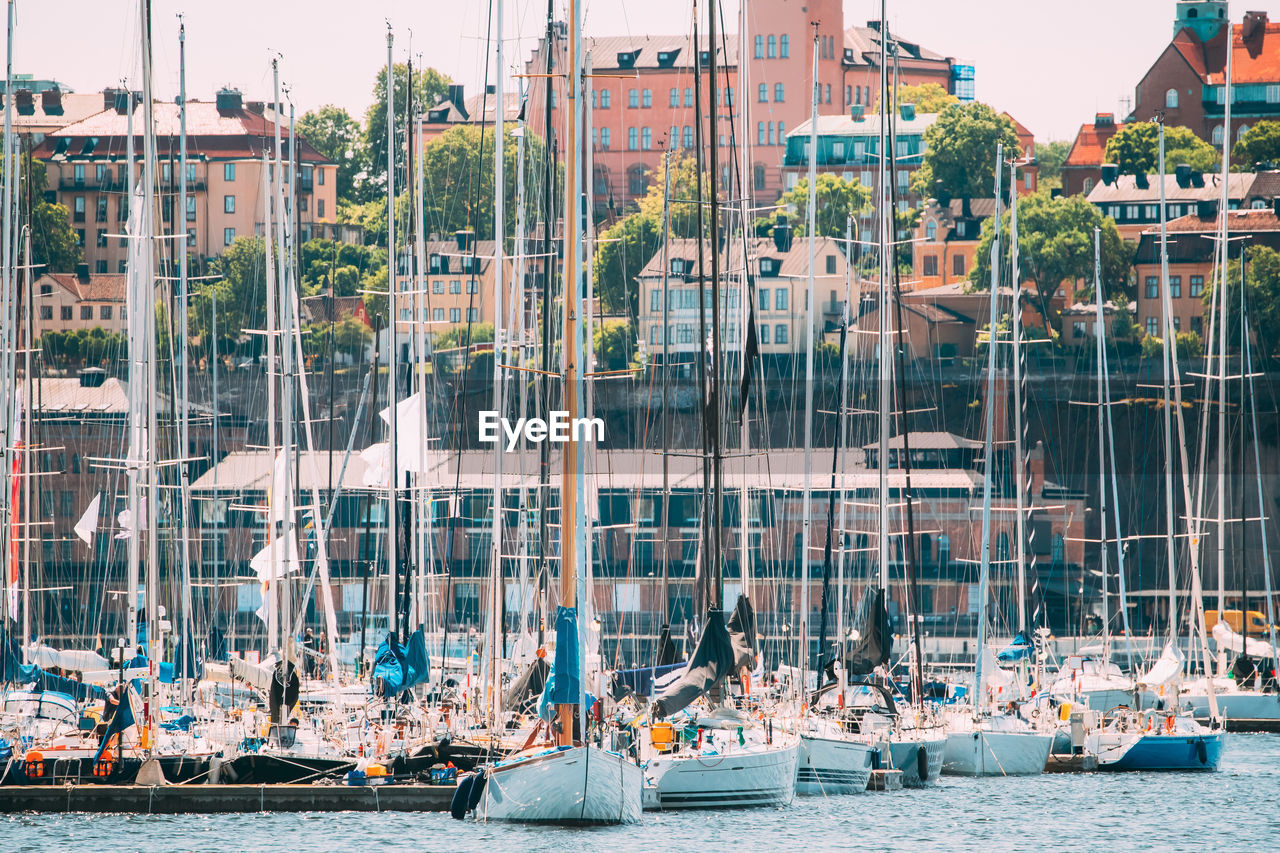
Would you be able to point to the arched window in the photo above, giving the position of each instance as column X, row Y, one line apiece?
column 1241, row 131
column 931, row 230
column 758, row 176
column 785, row 46
column 602, row 181
column 1088, row 185
column 773, row 47
column 1193, row 13
column 1216, row 136
column 1171, row 99
column 636, row 182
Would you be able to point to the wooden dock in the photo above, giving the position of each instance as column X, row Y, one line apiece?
column 885, row 780
column 216, row 799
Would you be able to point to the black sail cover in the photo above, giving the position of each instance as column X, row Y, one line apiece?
column 712, row 660
column 875, row 642
column 523, row 694
column 666, row 648
column 742, row 634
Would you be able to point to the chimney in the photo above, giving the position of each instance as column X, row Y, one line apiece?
column 256, row 107
column 1110, row 171
column 857, row 111
column 1275, row 206
column 966, row 210
column 109, row 98
column 1207, row 208
column 457, row 94
column 229, row 100
column 1104, row 120
column 51, row 101
column 942, row 194
column 124, row 101
column 1253, row 30
column 1140, row 180
column 907, row 111
column 782, row 234
column 1182, row 174
column 82, row 273
column 92, row 377
column 464, row 240
column 25, row 102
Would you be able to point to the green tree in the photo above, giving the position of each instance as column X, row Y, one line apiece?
column 335, row 134
column 349, row 269
column 837, row 198
column 961, row 151
column 684, row 185
column 1262, row 293
column 1055, row 245
column 1135, row 149
column 241, row 296
column 1188, row 345
column 1260, row 144
column 927, row 98
column 429, row 86
column 1051, row 157
column 614, row 343
column 53, row 241
column 464, row 335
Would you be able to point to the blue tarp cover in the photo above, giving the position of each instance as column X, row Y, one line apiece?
column 398, row 667
column 564, row 684
column 1019, row 648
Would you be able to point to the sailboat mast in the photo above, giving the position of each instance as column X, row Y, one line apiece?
column 885, row 249
column 393, row 366
column 1222, row 337
column 571, row 530
column 184, row 418
column 988, row 450
column 6, row 317
column 1166, row 367
column 666, row 382
column 499, row 402
column 1019, row 425
column 805, row 512
column 1099, row 334
column 273, row 371
column 717, row 479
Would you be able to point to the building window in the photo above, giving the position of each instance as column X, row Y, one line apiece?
column 633, row 99
column 320, row 205
column 65, row 312
column 758, row 175
column 675, row 97
column 646, row 139
column 764, row 299
column 848, row 95
column 605, row 97
column 102, row 209
column 773, row 47
column 1241, row 131
column 104, row 312
column 228, row 171
column 759, row 133
column 688, row 136
column 101, row 266
column 780, row 333
column 764, row 333
column 957, row 264
column 655, row 299
column 771, row 136
column 605, row 138
column 930, row 265
column 228, row 236
column 779, row 92
column 688, row 97
column 78, row 208
column 1153, row 287
column 46, row 312
column 633, row 137
column 1153, row 326
column 302, row 204
column 647, row 98
column 1216, row 136
column 191, row 208
column 471, row 286
column 763, row 96
column 653, row 334
column 1175, row 286
column 228, row 204
column 780, row 300
column 320, row 176
column 86, row 312
column 782, row 132
column 455, row 315
column 759, row 47
column 784, row 48
column 635, row 181
column 473, row 314
column 831, row 268
column 1171, row 99
column 1197, row 285
column 1197, row 324
column 931, row 230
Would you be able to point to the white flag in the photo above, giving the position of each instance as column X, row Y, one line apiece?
column 277, row 560
column 127, row 527
column 88, row 522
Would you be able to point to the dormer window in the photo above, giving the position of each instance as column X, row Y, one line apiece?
column 770, row 267
column 627, row 59
column 677, row 266
column 704, row 58
column 438, row 264
column 667, row 58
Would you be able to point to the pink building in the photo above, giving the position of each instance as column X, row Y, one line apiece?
column 643, row 98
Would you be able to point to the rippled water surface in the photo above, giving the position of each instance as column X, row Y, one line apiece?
column 1237, row 808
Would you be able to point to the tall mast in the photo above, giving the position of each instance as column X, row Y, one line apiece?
column 393, row 366
column 1099, row 333
column 666, row 381
column 1222, row 337
column 988, row 450
column 499, row 402
column 887, row 262
column 572, row 529
column 273, row 371
column 184, row 444
column 1019, row 464
column 288, row 446
column 1171, row 558
column 810, row 304
column 714, row 555
column 7, row 373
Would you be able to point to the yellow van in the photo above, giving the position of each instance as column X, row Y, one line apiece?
column 1257, row 623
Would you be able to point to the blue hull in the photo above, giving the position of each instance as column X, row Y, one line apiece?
column 1172, row 752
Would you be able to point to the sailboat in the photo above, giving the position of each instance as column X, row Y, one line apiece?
column 983, row 740
column 574, row 780
column 1165, row 737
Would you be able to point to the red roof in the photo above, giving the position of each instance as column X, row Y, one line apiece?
column 1237, row 220
column 1256, row 60
column 98, row 288
column 1090, row 146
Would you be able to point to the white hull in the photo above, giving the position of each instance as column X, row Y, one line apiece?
column 762, row 776
column 905, row 757
column 582, row 784
column 1105, row 699
column 832, row 766
column 1243, row 710
column 986, row 753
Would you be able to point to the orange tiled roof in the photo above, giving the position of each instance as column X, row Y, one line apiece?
column 1257, row 61
column 1090, row 146
column 99, row 287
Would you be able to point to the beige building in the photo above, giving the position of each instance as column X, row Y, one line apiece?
column 79, row 300
column 780, row 271
column 226, row 139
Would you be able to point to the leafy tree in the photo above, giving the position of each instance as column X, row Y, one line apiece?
column 961, row 151
column 53, row 240
column 429, row 86
column 614, row 343
column 94, row 347
column 349, row 269
column 1055, row 245
column 837, row 198
column 1135, row 148
column 1262, row 293
column 684, row 185
column 1188, row 345
column 335, row 134
column 927, row 98
column 240, row 292
column 1050, row 157
column 464, row 335
column 1260, row 144
column 348, row 337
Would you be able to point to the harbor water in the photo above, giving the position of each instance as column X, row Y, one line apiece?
column 1233, row 809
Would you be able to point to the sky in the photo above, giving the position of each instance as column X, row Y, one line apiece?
column 1051, row 65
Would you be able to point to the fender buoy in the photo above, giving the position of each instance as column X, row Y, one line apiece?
column 1202, row 751
column 458, row 805
column 922, row 763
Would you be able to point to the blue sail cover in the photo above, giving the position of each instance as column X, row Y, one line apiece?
column 564, row 684
column 1021, row 647
column 397, row 667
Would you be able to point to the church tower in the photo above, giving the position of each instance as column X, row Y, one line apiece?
column 1204, row 17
